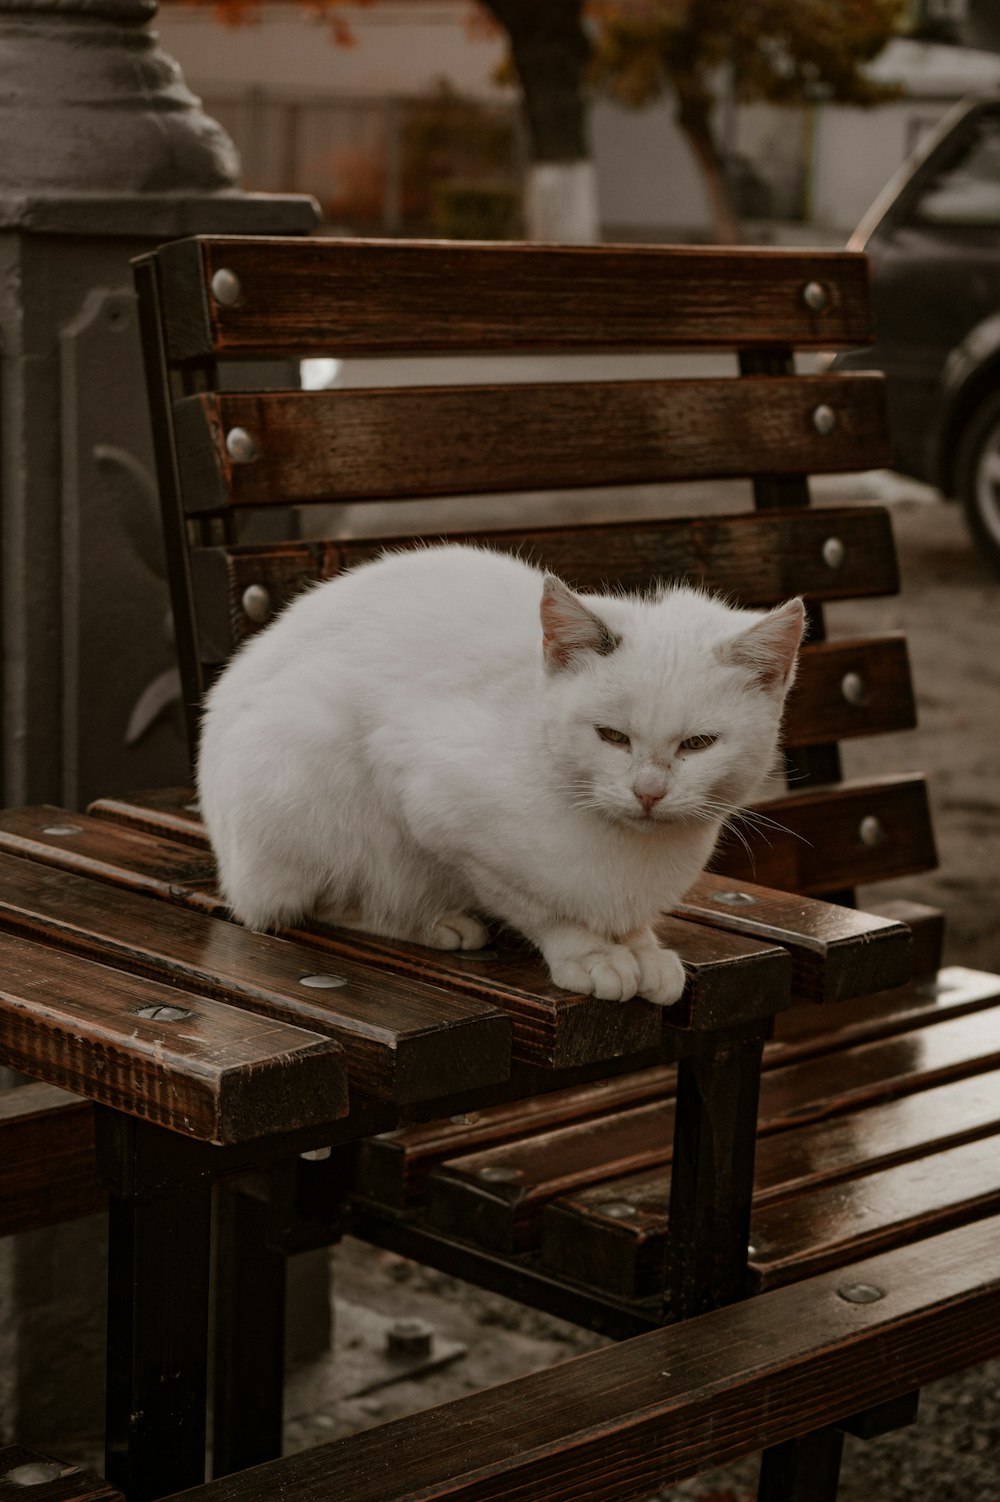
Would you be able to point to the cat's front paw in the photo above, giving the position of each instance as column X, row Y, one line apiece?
column 457, row 931
column 608, row 971
column 661, row 974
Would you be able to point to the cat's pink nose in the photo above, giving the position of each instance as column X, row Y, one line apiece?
column 649, row 800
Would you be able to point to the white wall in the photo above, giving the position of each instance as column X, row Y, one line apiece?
column 402, row 48
column 857, row 151
column 647, row 180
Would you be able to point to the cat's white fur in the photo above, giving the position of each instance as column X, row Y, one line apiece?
column 416, row 742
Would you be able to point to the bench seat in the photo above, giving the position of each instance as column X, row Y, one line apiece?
column 622, row 1422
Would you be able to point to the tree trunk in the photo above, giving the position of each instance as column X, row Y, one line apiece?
column 551, row 50
column 693, row 119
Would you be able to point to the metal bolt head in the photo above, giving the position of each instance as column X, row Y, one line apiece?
column 61, row 829
column 871, row 831
column 316, row 1154
column 322, row 982
column 834, row 552
column 860, row 1293
column 35, row 1472
column 824, row 419
column 854, row 688
column 499, row 1173
column 162, row 1013
column 240, row 446
column 256, row 602
column 734, row 899
column 409, row 1338
column 815, row 296
column 619, row 1210
column 226, row 287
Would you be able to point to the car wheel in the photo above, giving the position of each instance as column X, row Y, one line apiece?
column 977, row 472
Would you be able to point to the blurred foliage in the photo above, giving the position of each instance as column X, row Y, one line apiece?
column 458, row 166
column 780, row 51
column 474, row 211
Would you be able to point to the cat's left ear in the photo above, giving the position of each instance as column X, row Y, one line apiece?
column 569, row 628
column 768, row 647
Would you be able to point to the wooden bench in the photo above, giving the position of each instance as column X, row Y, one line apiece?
column 581, row 1202
column 559, row 1096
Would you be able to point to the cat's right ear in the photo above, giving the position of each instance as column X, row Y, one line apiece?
column 569, row 628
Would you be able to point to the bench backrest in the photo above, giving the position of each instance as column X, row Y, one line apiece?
column 584, row 383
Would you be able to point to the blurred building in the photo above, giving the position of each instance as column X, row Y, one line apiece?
column 408, row 131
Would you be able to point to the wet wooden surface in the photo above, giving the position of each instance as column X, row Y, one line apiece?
column 614, row 1234
column 490, row 1180
column 174, row 1057
column 49, row 1480
column 631, row 1418
column 729, row 977
column 402, row 1040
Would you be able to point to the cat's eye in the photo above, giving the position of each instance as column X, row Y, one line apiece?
column 698, row 742
column 616, row 737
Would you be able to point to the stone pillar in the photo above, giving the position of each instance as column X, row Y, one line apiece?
column 106, row 153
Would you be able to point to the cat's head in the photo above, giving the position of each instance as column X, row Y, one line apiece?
column 666, row 708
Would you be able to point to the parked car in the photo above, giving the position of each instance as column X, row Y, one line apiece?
column 934, row 239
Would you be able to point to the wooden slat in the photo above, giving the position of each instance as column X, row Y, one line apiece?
column 357, row 445
column 754, row 558
column 495, row 1197
column 104, row 849
column 849, row 688
column 816, row 841
column 729, row 978
column 324, row 296
column 622, row 1422
column 393, row 1167
column 402, row 1041
column 47, row 1169
column 615, row 1235
column 837, row 952
column 58, row 1481
column 810, row 1029
column 833, row 1225
column 214, row 1072
column 171, row 811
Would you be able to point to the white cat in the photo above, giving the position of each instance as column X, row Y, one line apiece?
column 449, row 732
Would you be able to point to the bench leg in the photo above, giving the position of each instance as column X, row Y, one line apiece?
column 718, row 1085
column 158, row 1277
column 808, row 1469
column 249, row 1332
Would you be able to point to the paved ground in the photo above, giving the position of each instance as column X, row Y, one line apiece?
column 950, row 609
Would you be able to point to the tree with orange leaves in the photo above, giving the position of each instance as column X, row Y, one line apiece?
column 782, row 51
